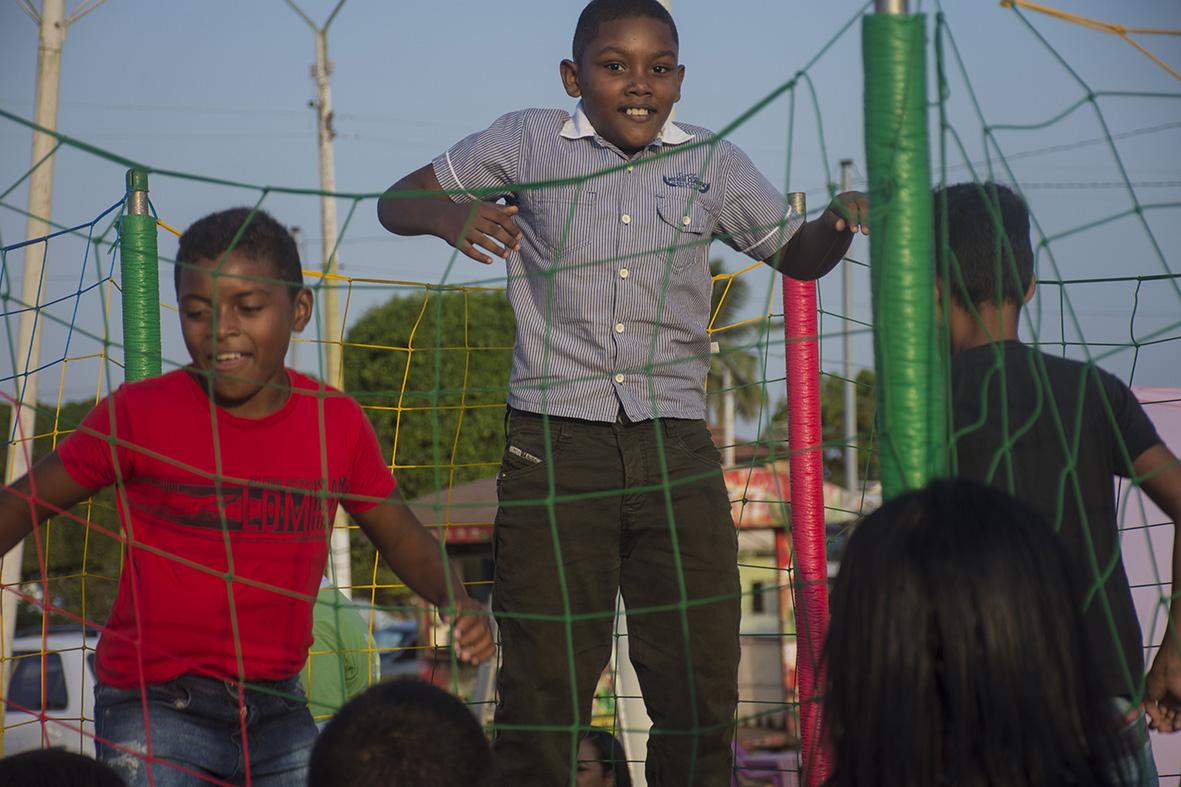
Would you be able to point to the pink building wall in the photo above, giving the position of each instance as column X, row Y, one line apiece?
column 1147, row 550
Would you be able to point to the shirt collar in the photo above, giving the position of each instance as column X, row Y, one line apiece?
column 579, row 126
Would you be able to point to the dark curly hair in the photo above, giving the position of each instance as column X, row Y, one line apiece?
column 599, row 11
column 984, row 247
column 401, row 733
column 249, row 231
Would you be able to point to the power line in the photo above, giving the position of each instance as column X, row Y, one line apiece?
column 1104, row 184
column 1082, row 143
column 179, row 109
column 1065, row 146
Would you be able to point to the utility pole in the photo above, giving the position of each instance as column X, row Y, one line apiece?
column 728, row 416
column 850, row 386
column 51, row 38
column 342, row 573
column 297, row 236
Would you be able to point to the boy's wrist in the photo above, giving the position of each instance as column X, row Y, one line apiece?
column 453, row 593
column 448, row 219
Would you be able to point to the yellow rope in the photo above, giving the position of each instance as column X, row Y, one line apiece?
column 729, row 278
column 171, row 229
column 1123, row 31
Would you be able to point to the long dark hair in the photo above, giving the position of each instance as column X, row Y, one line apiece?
column 610, row 755
column 957, row 654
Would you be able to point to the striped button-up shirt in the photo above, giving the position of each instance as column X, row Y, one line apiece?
column 611, row 287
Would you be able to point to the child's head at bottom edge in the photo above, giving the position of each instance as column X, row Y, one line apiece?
column 401, row 733
column 54, row 768
column 956, row 613
column 602, row 761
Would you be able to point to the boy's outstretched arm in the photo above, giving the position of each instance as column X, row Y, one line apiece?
column 414, row 555
column 46, row 490
column 820, row 244
column 468, row 227
column 1161, row 480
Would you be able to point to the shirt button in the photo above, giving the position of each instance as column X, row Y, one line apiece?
column 626, row 218
column 630, row 167
column 685, row 220
column 619, row 378
column 624, row 273
column 619, row 327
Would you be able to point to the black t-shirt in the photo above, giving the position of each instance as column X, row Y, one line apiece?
column 1054, row 433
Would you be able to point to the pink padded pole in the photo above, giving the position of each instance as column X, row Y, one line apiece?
column 807, row 512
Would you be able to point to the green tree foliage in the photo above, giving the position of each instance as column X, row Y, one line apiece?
column 431, row 368
column 81, row 563
column 445, row 423
column 832, row 416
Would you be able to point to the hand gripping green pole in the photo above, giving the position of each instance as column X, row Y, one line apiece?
column 911, row 383
column 140, row 273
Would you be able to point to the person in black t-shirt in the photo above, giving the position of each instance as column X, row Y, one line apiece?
column 1054, row 432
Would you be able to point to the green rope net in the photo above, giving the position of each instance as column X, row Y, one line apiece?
column 428, row 361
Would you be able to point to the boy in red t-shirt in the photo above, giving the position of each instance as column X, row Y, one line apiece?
column 231, row 470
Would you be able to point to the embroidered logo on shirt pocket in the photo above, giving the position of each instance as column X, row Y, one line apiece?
column 694, row 220
column 687, row 180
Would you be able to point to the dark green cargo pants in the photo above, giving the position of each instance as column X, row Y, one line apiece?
column 588, row 509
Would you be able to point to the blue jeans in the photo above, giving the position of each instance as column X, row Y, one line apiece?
column 192, row 733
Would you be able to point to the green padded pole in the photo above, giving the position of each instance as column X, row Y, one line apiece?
column 911, row 384
column 140, row 272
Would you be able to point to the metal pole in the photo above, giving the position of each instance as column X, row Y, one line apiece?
column 634, row 722
column 728, row 417
column 140, row 271
column 328, row 297
column 850, row 386
column 297, row 235
column 342, row 574
column 51, row 39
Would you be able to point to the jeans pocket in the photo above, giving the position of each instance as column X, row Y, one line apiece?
column 173, row 694
column 692, row 439
column 292, row 696
column 530, row 447
column 107, row 695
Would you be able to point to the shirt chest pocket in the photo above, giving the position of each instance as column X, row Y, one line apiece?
column 563, row 221
column 687, row 227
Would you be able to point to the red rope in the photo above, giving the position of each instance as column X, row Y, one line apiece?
column 807, row 518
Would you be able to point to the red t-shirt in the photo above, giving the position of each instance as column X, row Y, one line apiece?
column 227, row 529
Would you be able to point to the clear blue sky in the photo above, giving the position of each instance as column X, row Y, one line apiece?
column 221, row 89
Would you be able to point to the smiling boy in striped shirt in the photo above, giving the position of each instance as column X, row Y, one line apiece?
column 610, row 481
